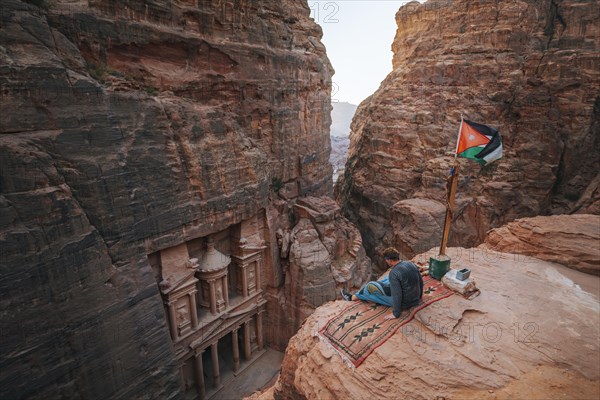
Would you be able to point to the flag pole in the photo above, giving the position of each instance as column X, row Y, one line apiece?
column 451, row 192
column 440, row 264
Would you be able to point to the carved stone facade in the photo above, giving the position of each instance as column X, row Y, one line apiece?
column 213, row 300
column 132, row 132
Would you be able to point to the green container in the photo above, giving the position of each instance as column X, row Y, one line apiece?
column 438, row 266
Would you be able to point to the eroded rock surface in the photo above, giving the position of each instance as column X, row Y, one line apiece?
column 570, row 240
column 129, row 128
column 526, row 67
column 320, row 255
column 531, row 333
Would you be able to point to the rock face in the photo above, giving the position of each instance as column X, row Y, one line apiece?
column 571, row 240
column 321, row 254
column 526, row 67
column 133, row 127
column 502, row 344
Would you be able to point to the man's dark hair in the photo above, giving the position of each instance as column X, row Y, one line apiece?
column 391, row 254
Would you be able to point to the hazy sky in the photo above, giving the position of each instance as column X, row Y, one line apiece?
column 358, row 35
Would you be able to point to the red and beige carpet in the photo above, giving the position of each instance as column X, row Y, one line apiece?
column 360, row 328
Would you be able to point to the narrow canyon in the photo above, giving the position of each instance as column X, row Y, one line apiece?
column 165, row 193
column 168, row 213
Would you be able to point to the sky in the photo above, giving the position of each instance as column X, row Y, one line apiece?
column 358, row 35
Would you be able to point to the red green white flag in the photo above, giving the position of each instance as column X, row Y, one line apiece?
column 479, row 142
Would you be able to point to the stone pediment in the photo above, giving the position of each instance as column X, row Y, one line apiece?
column 169, row 286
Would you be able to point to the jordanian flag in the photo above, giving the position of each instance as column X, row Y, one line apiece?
column 479, row 142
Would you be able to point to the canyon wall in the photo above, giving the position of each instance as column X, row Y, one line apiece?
column 131, row 128
column 529, row 68
column 320, row 254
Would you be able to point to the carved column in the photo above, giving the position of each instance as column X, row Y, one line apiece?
column 200, row 376
column 257, row 274
column 244, row 282
column 194, row 310
column 236, row 350
column 215, row 364
column 259, row 330
column 172, row 320
column 247, row 345
column 225, row 291
column 213, row 297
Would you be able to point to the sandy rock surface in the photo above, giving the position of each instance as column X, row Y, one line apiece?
column 532, row 333
column 570, row 240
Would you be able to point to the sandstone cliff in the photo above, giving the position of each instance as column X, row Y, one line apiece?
column 531, row 333
column 529, row 68
column 320, row 254
column 570, row 240
column 132, row 127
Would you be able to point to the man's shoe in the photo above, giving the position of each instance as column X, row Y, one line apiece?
column 346, row 295
column 375, row 288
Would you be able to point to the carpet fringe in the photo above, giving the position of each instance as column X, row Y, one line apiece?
column 327, row 344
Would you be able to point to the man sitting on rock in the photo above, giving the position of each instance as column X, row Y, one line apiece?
column 401, row 289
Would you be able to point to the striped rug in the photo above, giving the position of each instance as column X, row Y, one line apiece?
column 359, row 329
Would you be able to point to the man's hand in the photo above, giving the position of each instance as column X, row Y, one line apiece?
column 388, row 317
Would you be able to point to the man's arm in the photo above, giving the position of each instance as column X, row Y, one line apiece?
column 396, row 287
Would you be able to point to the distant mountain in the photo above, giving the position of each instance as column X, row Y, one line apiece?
column 339, row 154
column 341, row 117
